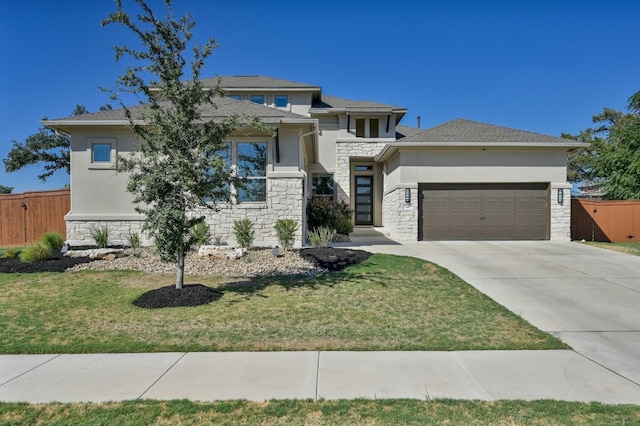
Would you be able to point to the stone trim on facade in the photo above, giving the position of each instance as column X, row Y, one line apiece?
column 401, row 218
column 560, row 213
column 284, row 201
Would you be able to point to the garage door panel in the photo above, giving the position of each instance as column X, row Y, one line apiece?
column 484, row 211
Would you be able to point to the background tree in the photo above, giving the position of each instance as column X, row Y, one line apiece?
column 5, row 189
column 612, row 161
column 44, row 147
column 178, row 164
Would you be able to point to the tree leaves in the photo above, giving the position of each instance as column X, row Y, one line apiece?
column 612, row 161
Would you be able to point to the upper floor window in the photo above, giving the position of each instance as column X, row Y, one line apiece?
column 281, row 101
column 236, row 97
column 258, row 99
column 101, row 153
column 252, row 165
column 367, row 128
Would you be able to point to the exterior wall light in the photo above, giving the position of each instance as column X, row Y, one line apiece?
column 560, row 195
column 407, row 195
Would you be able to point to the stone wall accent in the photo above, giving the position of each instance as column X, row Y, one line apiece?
column 400, row 218
column 79, row 231
column 284, row 201
column 345, row 150
column 560, row 213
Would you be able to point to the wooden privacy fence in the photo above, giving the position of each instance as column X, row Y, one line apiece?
column 25, row 217
column 607, row 221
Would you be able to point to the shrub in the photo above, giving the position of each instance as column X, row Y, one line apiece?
column 133, row 240
column 321, row 236
column 53, row 240
column 35, row 251
column 244, row 232
column 201, row 233
column 11, row 252
column 100, row 235
column 286, row 232
column 344, row 226
column 322, row 211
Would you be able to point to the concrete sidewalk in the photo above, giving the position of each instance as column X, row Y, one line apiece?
column 258, row 376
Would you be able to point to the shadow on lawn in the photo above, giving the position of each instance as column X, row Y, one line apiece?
column 254, row 287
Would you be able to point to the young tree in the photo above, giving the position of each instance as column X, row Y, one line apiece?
column 46, row 147
column 612, row 161
column 178, row 166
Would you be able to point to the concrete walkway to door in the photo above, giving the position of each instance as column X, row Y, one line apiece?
column 588, row 297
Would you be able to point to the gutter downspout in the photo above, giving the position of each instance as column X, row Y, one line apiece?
column 304, row 182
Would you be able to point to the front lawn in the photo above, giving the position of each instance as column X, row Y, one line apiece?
column 359, row 412
column 386, row 303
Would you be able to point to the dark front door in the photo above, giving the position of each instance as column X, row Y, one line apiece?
column 364, row 200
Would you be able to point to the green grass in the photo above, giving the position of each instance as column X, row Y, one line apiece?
column 387, row 303
column 628, row 248
column 359, row 412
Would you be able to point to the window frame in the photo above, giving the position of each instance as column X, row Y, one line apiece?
column 281, row 96
column 92, row 143
column 333, row 185
column 260, row 177
column 236, row 97
column 252, row 99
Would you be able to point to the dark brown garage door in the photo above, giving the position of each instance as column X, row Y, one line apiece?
column 517, row 211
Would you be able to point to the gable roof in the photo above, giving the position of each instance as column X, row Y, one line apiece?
column 224, row 107
column 461, row 130
column 460, row 133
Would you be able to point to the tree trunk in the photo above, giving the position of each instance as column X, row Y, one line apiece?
column 180, row 273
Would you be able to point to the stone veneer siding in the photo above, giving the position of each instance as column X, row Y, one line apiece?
column 401, row 219
column 560, row 213
column 345, row 150
column 284, row 201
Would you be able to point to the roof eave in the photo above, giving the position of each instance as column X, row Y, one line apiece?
column 390, row 149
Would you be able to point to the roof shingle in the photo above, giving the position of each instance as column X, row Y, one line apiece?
column 460, row 130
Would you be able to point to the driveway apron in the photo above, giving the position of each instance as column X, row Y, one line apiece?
column 588, row 297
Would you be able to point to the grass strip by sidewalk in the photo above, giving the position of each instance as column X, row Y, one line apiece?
column 628, row 248
column 359, row 412
column 387, row 303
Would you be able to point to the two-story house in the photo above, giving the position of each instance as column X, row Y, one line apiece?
column 459, row 180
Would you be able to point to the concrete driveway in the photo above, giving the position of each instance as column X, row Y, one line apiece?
column 586, row 296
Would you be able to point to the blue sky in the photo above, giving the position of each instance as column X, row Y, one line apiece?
column 543, row 66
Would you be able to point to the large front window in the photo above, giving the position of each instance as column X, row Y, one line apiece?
column 252, row 165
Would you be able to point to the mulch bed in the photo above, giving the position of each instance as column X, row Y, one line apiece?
column 170, row 297
column 333, row 259
column 58, row 263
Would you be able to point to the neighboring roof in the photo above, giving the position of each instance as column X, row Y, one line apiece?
column 466, row 133
column 239, row 82
column 224, row 107
column 460, row 130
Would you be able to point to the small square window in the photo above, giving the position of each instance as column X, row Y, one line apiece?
column 258, row 99
column 281, row 101
column 236, row 97
column 101, row 153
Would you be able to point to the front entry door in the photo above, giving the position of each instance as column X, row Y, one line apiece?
column 364, row 200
